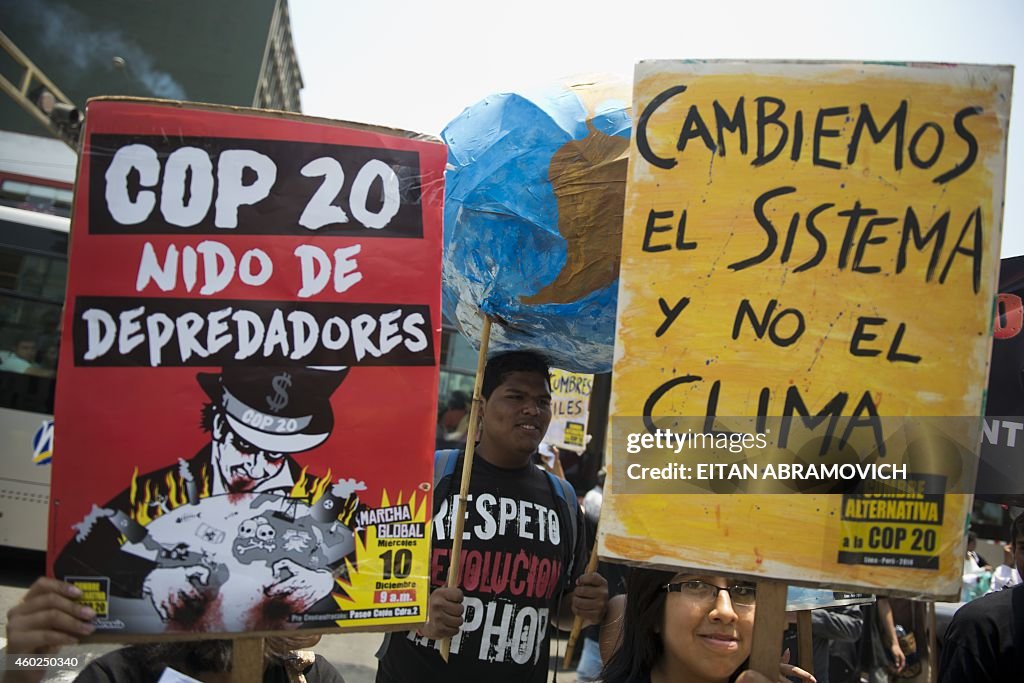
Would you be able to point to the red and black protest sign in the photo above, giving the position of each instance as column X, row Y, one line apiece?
column 1001, row 469
column 246, row 402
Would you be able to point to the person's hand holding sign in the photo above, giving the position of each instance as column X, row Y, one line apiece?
column 45, row 619
column 590, row 599
column 444, row 613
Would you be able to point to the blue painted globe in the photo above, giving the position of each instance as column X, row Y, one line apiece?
column 533, row 220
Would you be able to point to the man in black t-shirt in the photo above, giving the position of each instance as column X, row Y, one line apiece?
column 521, row 557
column 985, row 641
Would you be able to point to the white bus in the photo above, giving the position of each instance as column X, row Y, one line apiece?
column 33, row 272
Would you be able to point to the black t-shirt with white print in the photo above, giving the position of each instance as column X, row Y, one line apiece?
column 518, row 560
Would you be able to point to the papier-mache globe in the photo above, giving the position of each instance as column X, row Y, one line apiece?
column 533, row 219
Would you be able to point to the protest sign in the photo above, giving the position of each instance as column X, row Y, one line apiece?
column 817, row 244
column 1001, row 470
column 249, row 375
column 570, row 408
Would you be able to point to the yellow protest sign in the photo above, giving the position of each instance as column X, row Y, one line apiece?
column 816, row 241
column 570, row 408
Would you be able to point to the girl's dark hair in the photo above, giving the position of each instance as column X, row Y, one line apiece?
column 640, row 645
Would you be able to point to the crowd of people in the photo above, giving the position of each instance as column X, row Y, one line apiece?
column 667, row 627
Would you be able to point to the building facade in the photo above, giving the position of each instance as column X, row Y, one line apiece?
column 233, row 52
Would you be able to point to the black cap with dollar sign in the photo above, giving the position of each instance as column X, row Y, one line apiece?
column 280, row 410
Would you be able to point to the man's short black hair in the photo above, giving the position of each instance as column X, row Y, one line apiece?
column 459, row 400
column 501, row 366
column 193, row 658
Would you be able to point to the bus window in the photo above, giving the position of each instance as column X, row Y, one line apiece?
column 36, row 196
column 33, row 271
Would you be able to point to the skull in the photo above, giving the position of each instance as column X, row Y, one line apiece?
column 247, row 529
column 255, row 536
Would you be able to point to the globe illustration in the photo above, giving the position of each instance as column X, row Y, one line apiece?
column 533, row 220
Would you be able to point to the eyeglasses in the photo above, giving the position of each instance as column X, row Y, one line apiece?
column 741, row 594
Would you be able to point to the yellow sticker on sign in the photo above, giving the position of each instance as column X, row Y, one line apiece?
column 575, row 434
column 893, row 529
column 95, row 593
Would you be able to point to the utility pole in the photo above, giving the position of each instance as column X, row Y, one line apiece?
column 43, row 100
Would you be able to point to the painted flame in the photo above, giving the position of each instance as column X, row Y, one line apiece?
column 310, row 488
column 142, row 496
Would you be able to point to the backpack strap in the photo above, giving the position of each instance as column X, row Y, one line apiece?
column 444, row 465
column 564, row 490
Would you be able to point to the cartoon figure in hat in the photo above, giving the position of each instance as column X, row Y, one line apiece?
column 257, row 419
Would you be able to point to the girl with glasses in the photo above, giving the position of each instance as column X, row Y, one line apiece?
column 687, row 628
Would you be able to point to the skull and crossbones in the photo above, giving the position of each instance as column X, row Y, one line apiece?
column 255, row 533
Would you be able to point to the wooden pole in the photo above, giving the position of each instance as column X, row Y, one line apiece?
column 933, row 642
column 769, row 623
column 247, row 660
column 804, row 639
column 467, row 470
column 577, row 623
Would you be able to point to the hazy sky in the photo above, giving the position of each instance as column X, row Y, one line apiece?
column 417, row 64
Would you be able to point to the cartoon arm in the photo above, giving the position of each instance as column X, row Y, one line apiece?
column 302, row 585
column 95, row 550
column 173, row 588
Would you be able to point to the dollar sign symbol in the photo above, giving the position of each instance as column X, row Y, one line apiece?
column 280, row 398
